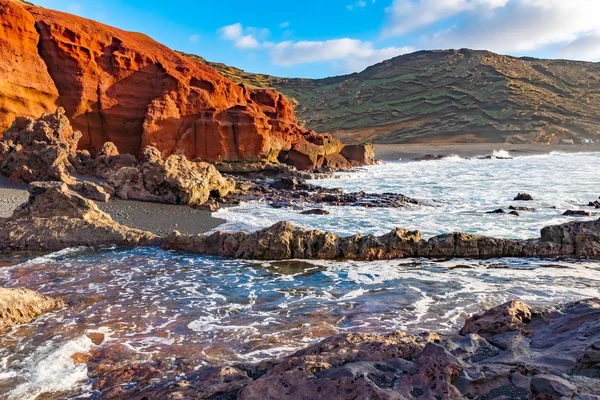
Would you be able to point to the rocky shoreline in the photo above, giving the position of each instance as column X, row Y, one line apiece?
column 508, row 352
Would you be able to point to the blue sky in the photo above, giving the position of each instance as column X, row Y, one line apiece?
column 313, row 38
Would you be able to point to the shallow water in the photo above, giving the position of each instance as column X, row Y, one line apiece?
column 162, row 305
column 146, row 304
column 456, row 194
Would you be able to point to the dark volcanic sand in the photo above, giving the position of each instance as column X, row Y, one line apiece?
column 160, row 219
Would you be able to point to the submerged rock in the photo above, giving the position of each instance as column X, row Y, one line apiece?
column 578, row 213
column 523, row 197
column 519, row 353
column 19, row 306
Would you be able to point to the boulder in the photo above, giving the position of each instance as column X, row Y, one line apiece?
column 91, row 190
column 363, row 154
column 19, row 306
column 511, row 316
column 578, row 213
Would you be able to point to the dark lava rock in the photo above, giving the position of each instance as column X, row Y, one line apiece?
column 316, row 211
column 498, row 211
column 514, row 213
column 578, row 213
column 517, row 208
column 523, row 197
column 430, row 157
column 594, row 204
column 290, row 184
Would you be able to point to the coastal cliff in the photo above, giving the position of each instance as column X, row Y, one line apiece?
column 125, row 88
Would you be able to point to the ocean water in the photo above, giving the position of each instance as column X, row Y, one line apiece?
column 456, row 194
column 145, row 304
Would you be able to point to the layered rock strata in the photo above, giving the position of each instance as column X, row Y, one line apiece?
column 508, row 352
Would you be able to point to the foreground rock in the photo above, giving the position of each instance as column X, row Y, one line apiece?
column 509, row 352
column 55, row 218
column 286, row 241
column 19, row 306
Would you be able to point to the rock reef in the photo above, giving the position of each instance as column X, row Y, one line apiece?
column 19, row 306
column 286, row 241
column 508, row 352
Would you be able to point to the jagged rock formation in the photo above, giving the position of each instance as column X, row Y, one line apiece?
column 19, row 306
column 174, row 180
column 535, row 354
column 56, row 218
column 286, row 241
column 125, row 88
column 39, row 150
column 450, row 96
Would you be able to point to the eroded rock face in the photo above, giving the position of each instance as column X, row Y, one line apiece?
column 39, row 150
column 26, row 88
column 123, row 87
column 19, row 306
column 553, row 355
column 55, row 218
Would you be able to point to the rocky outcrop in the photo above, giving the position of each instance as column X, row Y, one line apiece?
column 523, row 354
column 19, row 306
column 123, row 87
column 39, row 150
column 55, row 218
column 175, row 180
column 286, row 241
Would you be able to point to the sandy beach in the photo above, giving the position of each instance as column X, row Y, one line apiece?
column 388, row 152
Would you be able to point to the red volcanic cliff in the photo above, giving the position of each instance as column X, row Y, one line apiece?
column 125, row 88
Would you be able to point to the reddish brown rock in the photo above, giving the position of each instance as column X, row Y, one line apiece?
column 19, row 306
column 511, row 316
column 360, row 153
column 123, row 87
column 26, row 88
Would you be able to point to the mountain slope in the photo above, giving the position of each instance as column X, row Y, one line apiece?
column 447, row 97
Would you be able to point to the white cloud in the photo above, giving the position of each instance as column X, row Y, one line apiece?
column 284, row 24
column 504, row 26
column 347, row 55
column 194, row 38
column 244, row 38
column 583, row 48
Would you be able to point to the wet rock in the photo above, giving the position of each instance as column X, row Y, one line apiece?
column 431, row 157
column 578, row 213
column 511, row 316
column 595, row 203
column 518, row 208
column 514, row 213
column 316, row 211
column 498, row 211
column 523, row 197
column 55, row 218
column 19, row 306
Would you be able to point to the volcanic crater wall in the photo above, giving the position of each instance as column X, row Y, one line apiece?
column 125, row 88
